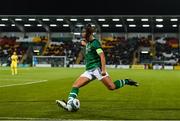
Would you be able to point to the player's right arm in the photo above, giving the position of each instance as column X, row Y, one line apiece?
column 11, row 58
column 83, row 42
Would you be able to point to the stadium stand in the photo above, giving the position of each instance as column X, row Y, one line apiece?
column 24, row 46
column 167, row 50
column 125, row 42
column 118, row 50
column 63, row 47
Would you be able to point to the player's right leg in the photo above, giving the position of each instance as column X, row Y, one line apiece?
column 12, row 69
column 62, row 103
column 81, row 81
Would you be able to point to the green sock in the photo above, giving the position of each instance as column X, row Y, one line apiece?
column 126, row 81
column 74, row 93
column 119, row 83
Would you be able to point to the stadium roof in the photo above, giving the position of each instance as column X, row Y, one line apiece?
column 103, row 23
column 90, row 7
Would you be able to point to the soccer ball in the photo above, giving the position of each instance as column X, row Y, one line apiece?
column 73, row 105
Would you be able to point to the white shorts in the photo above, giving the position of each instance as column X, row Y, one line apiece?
column 93, row 74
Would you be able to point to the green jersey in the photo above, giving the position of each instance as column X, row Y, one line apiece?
column 91, row 56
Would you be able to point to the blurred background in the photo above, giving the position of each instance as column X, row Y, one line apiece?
column 129, row 41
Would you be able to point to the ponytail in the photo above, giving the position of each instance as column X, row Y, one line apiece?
column 89, row 31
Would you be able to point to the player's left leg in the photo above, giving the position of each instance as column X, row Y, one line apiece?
column 15, row 69
column 118, row 83
column 107, row 81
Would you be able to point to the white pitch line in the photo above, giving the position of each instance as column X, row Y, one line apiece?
column 18, row 69
column 22, row 118
column 15, row 79
column 56, row 119
column 24, row 83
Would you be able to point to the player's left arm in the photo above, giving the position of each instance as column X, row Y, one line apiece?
column 103, row 61
column 98, row 48
column 17, row 59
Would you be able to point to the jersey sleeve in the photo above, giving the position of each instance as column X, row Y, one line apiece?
column 16, row 57
column 97, row 47
column 96, row 44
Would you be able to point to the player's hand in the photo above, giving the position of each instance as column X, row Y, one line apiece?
column 103, row 73
column 83, row 43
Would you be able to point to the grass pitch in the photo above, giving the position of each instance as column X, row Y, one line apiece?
column 32, row 94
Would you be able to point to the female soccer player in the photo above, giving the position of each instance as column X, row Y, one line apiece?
column 95, row 68
column 14, row 61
